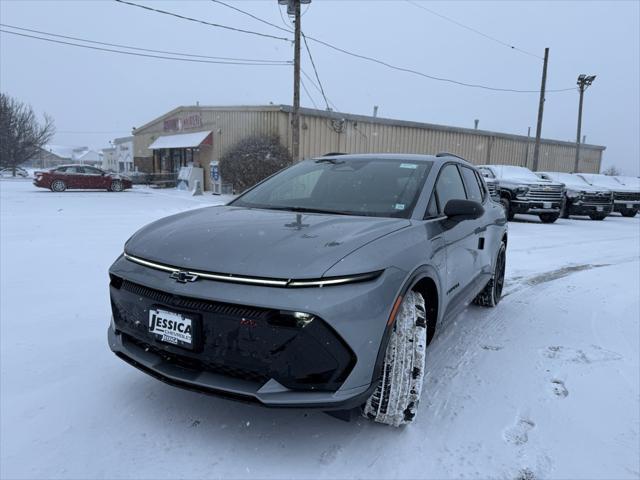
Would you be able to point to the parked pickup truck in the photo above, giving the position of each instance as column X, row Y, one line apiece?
column 626, row 196
column 581, row 198
column 522, row 191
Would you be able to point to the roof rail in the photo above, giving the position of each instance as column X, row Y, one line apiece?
column 333, row 154
column 447, row 154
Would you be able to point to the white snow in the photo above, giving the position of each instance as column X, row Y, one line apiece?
column 546, row 385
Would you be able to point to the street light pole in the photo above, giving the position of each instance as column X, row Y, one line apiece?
column 584, row 82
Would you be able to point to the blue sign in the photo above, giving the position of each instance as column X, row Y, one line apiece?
column 215, row 172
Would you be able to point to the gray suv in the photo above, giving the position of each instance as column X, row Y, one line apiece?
column 320, row 287
column 522, row 191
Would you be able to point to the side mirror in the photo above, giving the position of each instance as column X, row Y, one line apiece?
column 463, row 209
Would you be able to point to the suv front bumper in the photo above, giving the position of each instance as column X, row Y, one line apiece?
column 585, row 208
column 255, row 359
column 270, row 394
column 625, row 205
column 535, row 207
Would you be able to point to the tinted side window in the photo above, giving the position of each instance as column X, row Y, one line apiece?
column 449, row 186
column 483, row 185
column 470, row 180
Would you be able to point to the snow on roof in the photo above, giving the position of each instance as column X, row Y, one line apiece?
column 184, row 140
column 89, row 156
column 65, row 151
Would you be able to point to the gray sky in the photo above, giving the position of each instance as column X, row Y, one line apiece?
column 89, row 91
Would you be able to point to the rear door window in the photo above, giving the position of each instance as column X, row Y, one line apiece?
column 473, row 188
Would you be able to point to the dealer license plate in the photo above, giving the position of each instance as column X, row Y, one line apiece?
column 599, row 209
column 546, row 204
column 171, row 327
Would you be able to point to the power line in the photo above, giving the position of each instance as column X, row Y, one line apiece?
column 142, row 49
column 432, row 77
column 261, row 20
column 312, row 82
column 455, row 22
column 217, row 25
column 396, row 67
column 142, row 54
column 313, row 64
column 306, row 90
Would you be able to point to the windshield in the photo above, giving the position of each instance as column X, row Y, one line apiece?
column 362, row 186
column 510, row 171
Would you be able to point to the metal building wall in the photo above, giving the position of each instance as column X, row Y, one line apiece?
column 322, row 134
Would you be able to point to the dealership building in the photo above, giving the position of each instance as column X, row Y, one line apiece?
column 200, row 135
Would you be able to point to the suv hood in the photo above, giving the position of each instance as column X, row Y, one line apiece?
column 585, row 187
column 529, row 182
column 259, row 243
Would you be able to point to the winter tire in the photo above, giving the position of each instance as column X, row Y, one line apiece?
column 597, row 216
column 58, row 186
column 549, row 217
column 565, row 211
column 492, row 292
column 629, row 213
column 117, row 186
column 395, row 400
column 507, row 208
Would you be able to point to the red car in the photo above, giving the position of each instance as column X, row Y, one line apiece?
column 82, row 177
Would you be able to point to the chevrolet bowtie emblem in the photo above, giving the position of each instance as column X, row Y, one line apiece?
column 184, row 277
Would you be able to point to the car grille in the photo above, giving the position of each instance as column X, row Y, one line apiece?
column 246, row 342
column 545, row 193
column 595, row 198
column 627, row 196
column 191, row 303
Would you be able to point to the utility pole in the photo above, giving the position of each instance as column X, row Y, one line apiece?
column 295, row 144
column 293, row 9
column 584, row 82
column 536, row 148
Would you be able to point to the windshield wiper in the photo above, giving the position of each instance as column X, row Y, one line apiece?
column 332, row 161
column 312, row 210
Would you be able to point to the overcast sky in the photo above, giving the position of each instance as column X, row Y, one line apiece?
column 95, row 96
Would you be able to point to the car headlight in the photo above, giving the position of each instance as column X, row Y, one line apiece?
column 521, row 190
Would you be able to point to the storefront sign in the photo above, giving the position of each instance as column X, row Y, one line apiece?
column 177, row 124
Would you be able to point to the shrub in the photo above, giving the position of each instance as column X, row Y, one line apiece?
column 252, row 160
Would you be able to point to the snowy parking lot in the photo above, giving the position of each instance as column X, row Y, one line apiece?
column 546, row 385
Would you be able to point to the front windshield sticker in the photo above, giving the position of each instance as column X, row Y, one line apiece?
column 399, row 206
column 412, row 166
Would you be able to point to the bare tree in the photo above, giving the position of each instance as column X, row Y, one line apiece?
column 21, row 134
column 612, row 171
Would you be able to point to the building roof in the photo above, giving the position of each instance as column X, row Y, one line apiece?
column 357, row 118
column 89, row 156
column 64, row 151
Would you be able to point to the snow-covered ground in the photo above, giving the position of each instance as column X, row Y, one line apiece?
column 544, row 386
